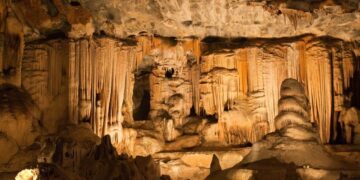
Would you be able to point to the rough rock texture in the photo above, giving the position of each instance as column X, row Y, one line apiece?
column 241, row 18
column 350, row 121
column 19, row 117
column 196, row 164
column 8, row 148
column 78, row 153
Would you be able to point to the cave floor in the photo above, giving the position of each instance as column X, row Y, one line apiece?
column 195, row 163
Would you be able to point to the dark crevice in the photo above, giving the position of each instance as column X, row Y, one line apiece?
column 75, row 3
column 142, row 112
column 141, row 97
column 169, row 73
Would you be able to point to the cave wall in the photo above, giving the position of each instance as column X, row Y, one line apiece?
column 165, row 76
column 94, row 73
column 92, row 80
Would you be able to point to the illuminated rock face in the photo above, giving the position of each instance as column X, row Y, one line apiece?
column 175, row 75
column 241, row 18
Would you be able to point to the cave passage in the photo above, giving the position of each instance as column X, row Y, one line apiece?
column 141, row 113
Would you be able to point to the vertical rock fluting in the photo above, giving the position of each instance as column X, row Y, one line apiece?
column 319, row 86
column 324, row 67
column 275, row 71
column 239, row 86
column 231, row 87
column 98, row 70
column 43, row 77
column 88, row 74
column 97, row 75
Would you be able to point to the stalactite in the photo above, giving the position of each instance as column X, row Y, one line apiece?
column 195, row 79
column 129, row 85
column 274, row 59
column 338, row 84
column 297, row 19
column 192, row 50
column 319, row 87
column 98, row 71
column 85, row 79
column 219, row 81
column 143, row 48
column 293, row 61
column 255, row 69
column 300, row 49
column 35, row 73
column 242, row 68
column 42, row 68
column 348, row 68
column 73, row 83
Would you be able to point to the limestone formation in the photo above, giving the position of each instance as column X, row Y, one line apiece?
column 82, row 81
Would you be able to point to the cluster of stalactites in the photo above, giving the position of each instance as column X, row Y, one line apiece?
column 97, row 82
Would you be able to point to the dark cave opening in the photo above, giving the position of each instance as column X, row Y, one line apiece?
column 192, row 111
column 169, row 73
column 141, row 113
column 75, row 3
column 141, row 97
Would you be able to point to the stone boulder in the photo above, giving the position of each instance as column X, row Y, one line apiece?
column 19, row 116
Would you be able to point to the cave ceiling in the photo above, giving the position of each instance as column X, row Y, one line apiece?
column 184, row 18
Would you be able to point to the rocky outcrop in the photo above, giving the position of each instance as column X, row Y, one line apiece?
column 78, row 153
column 19, row 117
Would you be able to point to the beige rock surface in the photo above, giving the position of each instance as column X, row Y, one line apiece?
column 196, row 164
column 243, row 18
column 183, row 142
column 8, row 148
